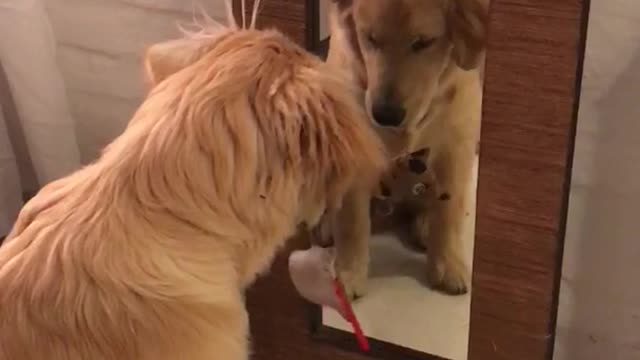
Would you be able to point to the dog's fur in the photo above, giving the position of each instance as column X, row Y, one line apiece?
column 424, row 56
column 145, row 254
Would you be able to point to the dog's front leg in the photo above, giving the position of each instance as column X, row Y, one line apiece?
column 446, row 269
column 353, row 228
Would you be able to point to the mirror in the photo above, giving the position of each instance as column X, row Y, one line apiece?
column 420, row 66
column 528, row 124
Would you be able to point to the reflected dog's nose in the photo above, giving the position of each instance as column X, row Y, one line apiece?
column 386, row 114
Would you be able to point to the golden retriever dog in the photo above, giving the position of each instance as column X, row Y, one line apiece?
column 419, row 63
column 145, row 254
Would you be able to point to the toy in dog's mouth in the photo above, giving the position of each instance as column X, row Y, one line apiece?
column 313, row 274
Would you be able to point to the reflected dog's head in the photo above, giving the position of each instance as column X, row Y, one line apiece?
column 406, row 46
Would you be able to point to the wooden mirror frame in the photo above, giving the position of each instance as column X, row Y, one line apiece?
column 532, row 83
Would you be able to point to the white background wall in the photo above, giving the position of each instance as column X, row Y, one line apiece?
column 100, row 44
column 599, row 315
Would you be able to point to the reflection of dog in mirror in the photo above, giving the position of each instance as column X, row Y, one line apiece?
column 419, row 62
column 145, row 254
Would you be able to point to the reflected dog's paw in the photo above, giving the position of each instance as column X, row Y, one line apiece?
column 447, row 275
column 355, row 282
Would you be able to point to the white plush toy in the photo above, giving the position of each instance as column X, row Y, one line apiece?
column 313, row 274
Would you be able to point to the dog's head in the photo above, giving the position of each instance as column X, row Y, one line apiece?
column 280, row 126
column 406, row 46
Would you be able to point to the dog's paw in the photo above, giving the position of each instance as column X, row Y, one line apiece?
column 355, row 283
column 448, row 276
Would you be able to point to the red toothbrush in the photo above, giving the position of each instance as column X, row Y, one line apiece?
column 313, row 274
column 350, row 316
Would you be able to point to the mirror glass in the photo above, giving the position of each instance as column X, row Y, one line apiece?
column 422, row 79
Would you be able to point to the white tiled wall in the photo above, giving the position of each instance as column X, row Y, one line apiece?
column 599, row 315
column 100, row 43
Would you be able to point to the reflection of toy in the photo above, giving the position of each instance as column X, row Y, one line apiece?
column 409, row 182
column 313, row 274
column 408, row 188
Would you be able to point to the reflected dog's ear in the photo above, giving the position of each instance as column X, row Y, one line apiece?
column 343, row 4
column 467, row 22
column 167, row 58
column 343, row 10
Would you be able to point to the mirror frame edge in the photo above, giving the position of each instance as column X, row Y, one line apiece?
column 568, row 20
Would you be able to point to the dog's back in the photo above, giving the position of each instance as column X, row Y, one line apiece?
column 84, row 277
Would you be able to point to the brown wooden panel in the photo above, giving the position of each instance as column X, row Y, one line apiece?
column 288, row 16
column 528, row 128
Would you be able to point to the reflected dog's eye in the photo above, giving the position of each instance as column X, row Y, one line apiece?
column 422, row 43
column 419, row 189
column 372, row 41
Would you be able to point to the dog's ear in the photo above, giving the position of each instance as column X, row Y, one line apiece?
column 467, row 23
column 165, row 59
